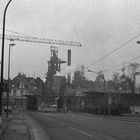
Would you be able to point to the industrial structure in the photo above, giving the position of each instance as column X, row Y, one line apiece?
column 54, row 64
column 69, row 64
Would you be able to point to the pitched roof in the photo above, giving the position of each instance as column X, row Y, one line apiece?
column 20, row 78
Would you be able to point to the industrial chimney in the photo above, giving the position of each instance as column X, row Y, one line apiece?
column 69, row 64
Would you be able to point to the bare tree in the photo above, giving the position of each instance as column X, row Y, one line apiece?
column 133, row 72
column 100, row 82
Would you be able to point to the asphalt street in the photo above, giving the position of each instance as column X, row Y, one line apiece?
column 69, row 126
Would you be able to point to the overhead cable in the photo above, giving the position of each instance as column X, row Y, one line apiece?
column 121, row 64
column 124, row 44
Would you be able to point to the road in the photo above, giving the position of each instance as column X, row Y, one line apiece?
column 69, row 126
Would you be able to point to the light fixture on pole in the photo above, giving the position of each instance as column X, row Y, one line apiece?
column 93, row 71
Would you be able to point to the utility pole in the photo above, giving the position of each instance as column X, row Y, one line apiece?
column 2, row 56
column 10, row 45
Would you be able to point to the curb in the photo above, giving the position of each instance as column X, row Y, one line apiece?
column 36, row 131
column 31, row 137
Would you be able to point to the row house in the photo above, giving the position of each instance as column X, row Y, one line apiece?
column 21, row 86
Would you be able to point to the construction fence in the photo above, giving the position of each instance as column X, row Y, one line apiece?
column 93, row 102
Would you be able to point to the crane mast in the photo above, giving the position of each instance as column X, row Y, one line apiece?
column 40, row 40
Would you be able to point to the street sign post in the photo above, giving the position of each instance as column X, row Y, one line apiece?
column 109, row 100
column 109, row 103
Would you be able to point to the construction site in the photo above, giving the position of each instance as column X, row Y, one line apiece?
column 53, row 80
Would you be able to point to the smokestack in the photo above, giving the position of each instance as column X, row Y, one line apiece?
column 69, row 57
column 69, row 64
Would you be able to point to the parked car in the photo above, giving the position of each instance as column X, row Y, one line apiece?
column 9, row 108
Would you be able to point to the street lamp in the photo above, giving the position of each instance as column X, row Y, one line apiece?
column 102, row 76
column 2, row 56
column 10, row 45
column 93, row 71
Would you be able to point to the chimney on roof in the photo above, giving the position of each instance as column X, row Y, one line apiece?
column 24, row 75
column 19, row 73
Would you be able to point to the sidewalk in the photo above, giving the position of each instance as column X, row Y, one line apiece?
column 15, row 128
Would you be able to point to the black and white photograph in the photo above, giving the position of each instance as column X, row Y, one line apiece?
column 69, row 69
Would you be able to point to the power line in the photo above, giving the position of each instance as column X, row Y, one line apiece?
column 121, row 64
column 101, row 57
column 17, row 32
column 112, row 51
column 104, row 71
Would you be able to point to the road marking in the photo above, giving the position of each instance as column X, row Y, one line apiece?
column 72, row 128
column 138, row 123
column 35, row 129
column 85, row 133
column 73, row 115
column 61, row 124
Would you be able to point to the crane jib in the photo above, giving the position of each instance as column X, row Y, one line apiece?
column 40, row 40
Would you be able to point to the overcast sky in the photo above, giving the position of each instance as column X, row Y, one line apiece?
column 100, row 25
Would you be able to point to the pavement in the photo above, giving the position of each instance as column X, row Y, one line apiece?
column 73, row 126
column 66, row 126
column 19, row 126
column 128, row 118
column 14, row 127
column 37, row 132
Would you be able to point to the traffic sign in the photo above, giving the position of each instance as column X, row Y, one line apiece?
column 109, row 100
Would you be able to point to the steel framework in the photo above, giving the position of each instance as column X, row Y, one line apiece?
column 40, row 40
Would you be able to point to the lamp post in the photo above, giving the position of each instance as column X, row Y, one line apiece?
column 103, row 78
column 2, row 56
column 93, row 71
column 10, row 45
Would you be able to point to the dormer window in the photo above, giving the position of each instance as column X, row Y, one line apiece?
column 21, row 85
column 13, row 86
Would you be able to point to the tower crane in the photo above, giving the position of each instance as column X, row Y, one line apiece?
column 40, row 40
column 55, row 62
